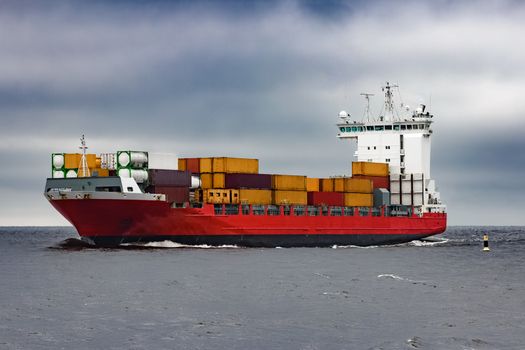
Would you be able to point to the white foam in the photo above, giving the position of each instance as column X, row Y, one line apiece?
column 418, row 243
column 171, row 244
column 398, row 278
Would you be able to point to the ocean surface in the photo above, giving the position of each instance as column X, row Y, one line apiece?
column 56, row 294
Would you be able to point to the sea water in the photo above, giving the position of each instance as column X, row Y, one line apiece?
column 57, row 294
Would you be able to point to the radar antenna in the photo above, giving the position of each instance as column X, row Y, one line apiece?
column 389, row 100
column 83, row 169
column 367, row 109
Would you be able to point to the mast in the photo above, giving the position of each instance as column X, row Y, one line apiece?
column 83, row 169
column 367, row 108
column 389, row 102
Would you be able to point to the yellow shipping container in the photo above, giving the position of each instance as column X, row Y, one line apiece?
column 327, row 185
column 289, row 182
column 290, row 197
column 182, row 164
column 98, row 162
column 339, row 184
column 72, row 160
column 312, row 184
column 235, row 165
column 206, row 165
column 358, row 185
column 218, row 180
column 221, row 196
column 247, row 196
column 370, row 169
column 206, row 181
column 359, row 199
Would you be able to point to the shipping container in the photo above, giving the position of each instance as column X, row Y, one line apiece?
column 99, row 172
column 235, row 165
column 173, row 194
column 339, row 184
column 182, row 164
column 377, row 181
column 206, row 181
column 256, row 181
column 359, row 199
column 381, row 197
column 251, row 196
column 290, row 197
column 108, row 161
column 139, row 175
column 358, row 185
column 369, row 168
column 72, row 160
column 221, row 196
column 312, row 184
column 326, row 198
column 326, row 185
column 289, row 182
column 206, row 165
column 193, row 165
column 219, row 181
column 164, row 161
column 57, row 161
column 132, row 159
column 166, row 178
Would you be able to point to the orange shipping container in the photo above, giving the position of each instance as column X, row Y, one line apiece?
column 218, row 180
column 339, row 184
column 289, row 182
column 235, row 165
column 247, row 196
column 312, row 184
column 359, row 199
column 100, row 172
column 369, row 168
column 182, row 164
column 206, row 181
column 221, row 196
column 327, row 185
column 358, row 185
column 72, row 160
column 206, row 165
column 290, row 197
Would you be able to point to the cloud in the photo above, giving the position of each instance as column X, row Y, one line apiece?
column 264, row 80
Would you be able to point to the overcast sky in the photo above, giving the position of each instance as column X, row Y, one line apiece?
column 265, row 80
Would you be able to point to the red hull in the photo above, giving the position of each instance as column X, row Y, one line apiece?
column 115, row 221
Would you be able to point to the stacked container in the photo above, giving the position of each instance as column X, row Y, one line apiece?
column 66, row 165
column 133, row 164
column 289, row 189
column 407, row 189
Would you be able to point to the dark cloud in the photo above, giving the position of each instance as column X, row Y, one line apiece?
column 261, row 79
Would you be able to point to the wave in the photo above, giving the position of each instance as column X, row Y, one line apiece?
column 171, row 245
column 399, row 278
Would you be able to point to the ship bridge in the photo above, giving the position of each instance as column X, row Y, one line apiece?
column 401, row 139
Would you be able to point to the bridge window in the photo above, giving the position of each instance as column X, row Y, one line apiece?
column 348, row 129
column 396, row 127
column 361, row 128
column 342, row 129
column 403, row 127
column 370, row 128
column 379, row 127
column 409, row 127
column 388, row 127
column 354, row 128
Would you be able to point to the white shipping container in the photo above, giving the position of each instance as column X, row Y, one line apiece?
column 164, row 161
column 394, row 199
column 406, row 186
column 108, row 161
column 394, row 186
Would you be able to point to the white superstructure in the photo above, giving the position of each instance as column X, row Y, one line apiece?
column 401, row 139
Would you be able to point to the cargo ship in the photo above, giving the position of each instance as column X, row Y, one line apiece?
column 137, row 196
